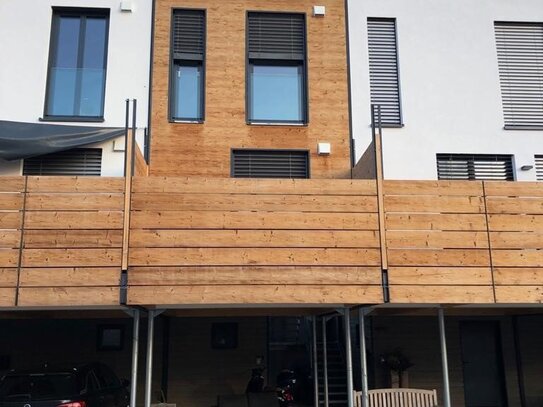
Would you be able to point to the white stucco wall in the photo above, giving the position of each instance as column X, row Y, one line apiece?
column 25, row 29
column 450, row 89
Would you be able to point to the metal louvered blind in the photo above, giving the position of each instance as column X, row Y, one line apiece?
column 539, row 167
column 276, row 36
column 80, row 161
column 475, row 167
column 270, row 164
column 188, row 34
column 520, row 61
column 383, row 64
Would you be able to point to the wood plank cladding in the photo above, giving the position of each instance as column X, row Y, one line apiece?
column 71, row 243
column 11, row 218
column 224, row 241
column 188, row 149
column 438, row 242
column 227, row 241
column 516, row 240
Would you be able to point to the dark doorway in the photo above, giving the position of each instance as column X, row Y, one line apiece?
column 484, row 380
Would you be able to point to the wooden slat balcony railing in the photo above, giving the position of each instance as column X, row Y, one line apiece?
column 195, row 241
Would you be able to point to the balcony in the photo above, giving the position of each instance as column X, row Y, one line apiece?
column 230, row 242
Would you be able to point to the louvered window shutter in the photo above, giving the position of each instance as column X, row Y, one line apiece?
column 188, row 37
column 520, row 61
column 539, row 167
column 383, row 64
column 276, row 36
column 80, row 162
column 475, row 167
column 270, row 164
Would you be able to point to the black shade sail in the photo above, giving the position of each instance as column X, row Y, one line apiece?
column 23, row 140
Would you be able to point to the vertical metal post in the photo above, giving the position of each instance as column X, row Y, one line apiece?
column 325, row 362
column 348, row 357
column 363, row 359
column 444, row 362
column 149, row 365
column 315, row 367
column 135, row 348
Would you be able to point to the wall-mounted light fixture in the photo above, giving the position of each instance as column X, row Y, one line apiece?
column 527, row 167
column 319, row 11
column 127, row 6
column 324, row 149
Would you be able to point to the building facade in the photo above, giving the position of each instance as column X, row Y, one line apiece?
column 456, row 78
column 270, row 219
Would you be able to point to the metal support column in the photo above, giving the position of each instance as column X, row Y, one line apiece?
column 325, row 362
column 348, row 357
column 149, row 364
column 363, row 358
column 135, row 349
column 315, row 367
column 444, row 362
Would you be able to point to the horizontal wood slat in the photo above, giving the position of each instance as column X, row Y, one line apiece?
column 254, row 238
column 8, row 277
column 195, row 185
column 518, row 276
column 57, row 184
column 11, row 201
column 12, row 184
column 275, row 203
column 10, row 220
column 72, row 238
column 68, row 296
column 258, row 294
column 7, row 297
column 71, row 257
column 436, row 239
column 74, row 202
column 441, row 294
column 73, row 220
column 254, row 275
column 440, row 275
column 253, row 220
column 70, row 277
column 253, row 256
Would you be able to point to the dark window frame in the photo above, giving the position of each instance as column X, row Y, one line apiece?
column 285, row 62
column 187, row 59
column 82, row 13
column 295, row 150
column 401, row 123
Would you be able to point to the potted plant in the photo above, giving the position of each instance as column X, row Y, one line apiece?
column 396, row 364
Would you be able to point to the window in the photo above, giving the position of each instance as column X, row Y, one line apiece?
column 270, row 164
column 520, row 62
column 188, row 65
column 80, row 161
column 77, row 64
column 276, row 68
column 475, row 167
column 384, row 74
column 539, row 167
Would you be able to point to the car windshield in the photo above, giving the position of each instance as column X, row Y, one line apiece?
column 34, row 387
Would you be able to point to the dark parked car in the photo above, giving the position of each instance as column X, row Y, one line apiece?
column 91, row 385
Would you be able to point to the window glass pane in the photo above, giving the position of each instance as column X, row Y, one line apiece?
column 77, row 72
column 276, row 93
column 187, row 91
column 67, row 44
column 63, row 75
column 93, row 73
